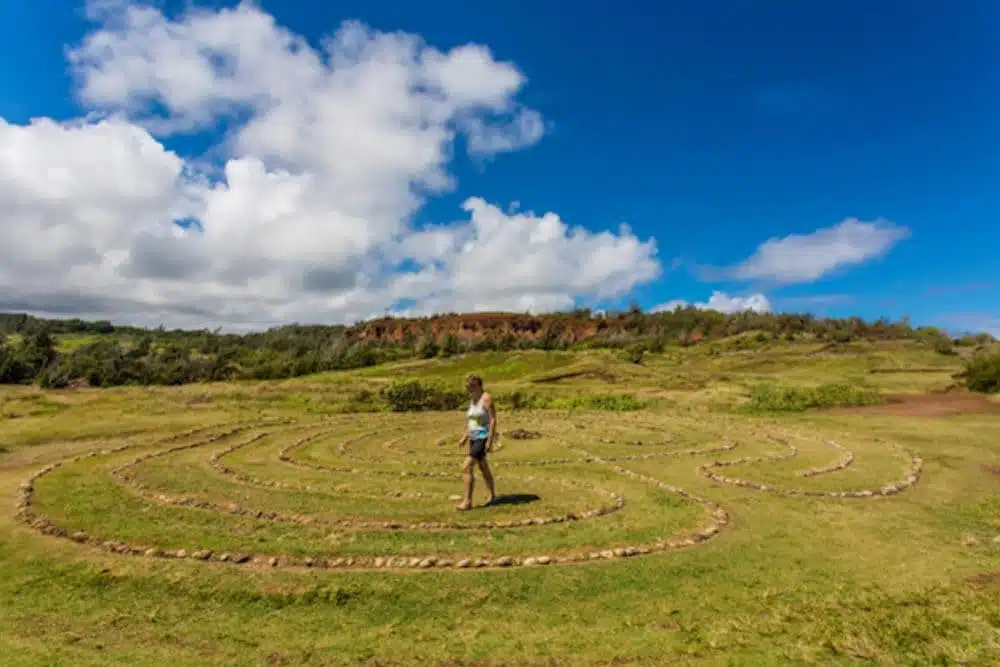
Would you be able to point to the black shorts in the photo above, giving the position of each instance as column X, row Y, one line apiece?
column 477, row 448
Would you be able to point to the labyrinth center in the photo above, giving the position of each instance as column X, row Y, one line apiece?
column 379, row 491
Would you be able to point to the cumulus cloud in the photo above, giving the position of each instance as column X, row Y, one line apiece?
column 722, row 302
column 804, row 258
column 303, row 208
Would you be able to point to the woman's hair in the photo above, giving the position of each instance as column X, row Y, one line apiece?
column 474, row 379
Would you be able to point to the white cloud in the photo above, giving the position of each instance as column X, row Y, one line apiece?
column 803, row 258
column 670, row 306
column 723, row 303
column 305, row 207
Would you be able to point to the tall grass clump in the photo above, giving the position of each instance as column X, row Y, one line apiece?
column 415, row 396
column 519, row 400
column 781, row 398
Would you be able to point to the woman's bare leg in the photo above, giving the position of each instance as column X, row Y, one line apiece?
column 470, row 483
column 484, row 467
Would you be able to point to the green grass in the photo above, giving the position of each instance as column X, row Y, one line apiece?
column 777, row 398
column 815, row 581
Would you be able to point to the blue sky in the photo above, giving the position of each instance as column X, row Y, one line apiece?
column 711, row 127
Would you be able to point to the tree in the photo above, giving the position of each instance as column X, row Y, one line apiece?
column 36, row 353
column 450, row 346
column 11, row 368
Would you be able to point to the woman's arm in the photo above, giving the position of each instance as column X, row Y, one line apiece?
column 491, row 410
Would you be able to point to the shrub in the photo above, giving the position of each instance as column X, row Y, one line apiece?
column 945, row 346
column 634, row 353
column 413, row 396
column 982, row 373
column 450, row 346
column 611, row 402
column 775, row 398
column 428, row 348
column 364, row 400
column 517, row 400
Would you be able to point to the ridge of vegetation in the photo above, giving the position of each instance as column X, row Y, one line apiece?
column 74, row 352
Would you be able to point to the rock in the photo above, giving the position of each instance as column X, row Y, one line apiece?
column 273, row 562
column 204, row 554
column 504, row 561
column 241, row 558
column 308, row 562
column 79, row 536
column 428, row 562
column 464, row 563
column 224, row 558
column 379, row 562
column 153, row 553
column 543, row 560
column 530, row 562
column 970, row 541
column 182, row 553
column 414, row 562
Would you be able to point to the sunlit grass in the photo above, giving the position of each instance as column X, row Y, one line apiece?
column 896, row 580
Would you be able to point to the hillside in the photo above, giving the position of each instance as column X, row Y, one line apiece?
column 60, row 353
column 703, row 506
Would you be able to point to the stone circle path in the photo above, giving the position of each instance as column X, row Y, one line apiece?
column 285, row 440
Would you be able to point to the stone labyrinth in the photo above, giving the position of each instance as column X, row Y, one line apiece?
column 379, row 491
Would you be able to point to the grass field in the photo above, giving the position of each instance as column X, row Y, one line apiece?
column 271, row 524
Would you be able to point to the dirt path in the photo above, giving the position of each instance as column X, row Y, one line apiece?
column 927, row 405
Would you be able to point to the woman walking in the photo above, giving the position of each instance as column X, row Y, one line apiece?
column 480, row 432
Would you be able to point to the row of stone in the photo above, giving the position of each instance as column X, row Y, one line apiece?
column 719, row 517
column 618, row 502
column 23, row 500
column 726, row 447
column 911, row 478
column 216, row 462
column 397, row 561
column 343, row 450
column 634, row 443
column 343, row 447
column 845, row 461
column 285, row 455
column 26, row 514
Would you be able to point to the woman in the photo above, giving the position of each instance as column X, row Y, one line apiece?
column 480, row 432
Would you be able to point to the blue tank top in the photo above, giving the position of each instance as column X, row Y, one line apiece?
column 478, row 420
